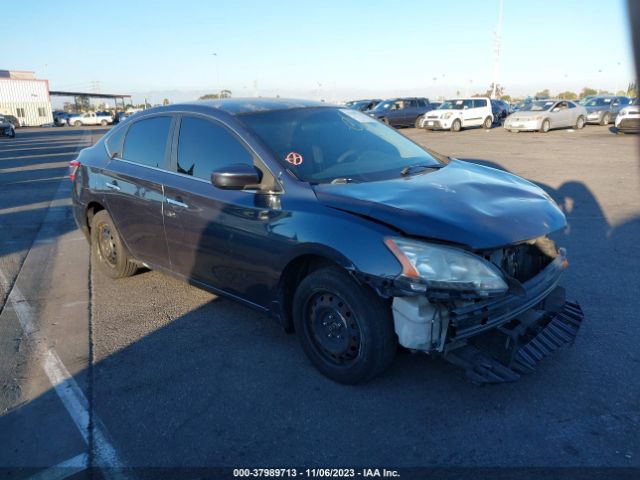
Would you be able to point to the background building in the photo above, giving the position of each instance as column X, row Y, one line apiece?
column 25, row 97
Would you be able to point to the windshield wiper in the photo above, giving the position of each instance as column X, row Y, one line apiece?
column 412, row 168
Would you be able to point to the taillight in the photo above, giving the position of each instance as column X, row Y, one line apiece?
column 73, row 168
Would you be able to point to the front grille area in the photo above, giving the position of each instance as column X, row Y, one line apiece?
column 526, row 260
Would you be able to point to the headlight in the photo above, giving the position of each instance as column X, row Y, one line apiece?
column 622, row 112
column 446, row 115
column 448, row 268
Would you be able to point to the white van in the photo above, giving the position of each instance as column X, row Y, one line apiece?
column 460, row 113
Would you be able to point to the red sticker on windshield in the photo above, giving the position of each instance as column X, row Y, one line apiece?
column 294, row 158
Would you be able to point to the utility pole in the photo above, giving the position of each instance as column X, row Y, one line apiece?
column 218, row 74
column 497, row 46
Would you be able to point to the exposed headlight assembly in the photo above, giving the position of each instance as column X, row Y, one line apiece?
column 446, row 268
column 447, row 115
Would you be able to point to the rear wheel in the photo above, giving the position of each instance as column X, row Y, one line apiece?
column 107, row 248
column 606, row 119
column 103, row 123
column 580, row 122
column 456, row 125
column 345, row 329
column 546, row 125
column 487, row 123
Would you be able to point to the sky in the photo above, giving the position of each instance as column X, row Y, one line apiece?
column 330, row 49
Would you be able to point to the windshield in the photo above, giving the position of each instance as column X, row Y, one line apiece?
column 454, row 104
column 598, row 102
column 386, row 105
column 538, row 105
column 319, row 145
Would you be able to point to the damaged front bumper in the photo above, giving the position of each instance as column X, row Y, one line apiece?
column 497, row 339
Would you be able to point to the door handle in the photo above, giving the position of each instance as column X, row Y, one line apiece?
column 112, row 186
column 176, row 203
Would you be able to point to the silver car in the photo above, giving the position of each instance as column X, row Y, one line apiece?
column 543, row 115
column 603, row 109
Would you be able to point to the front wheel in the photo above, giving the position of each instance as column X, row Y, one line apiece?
column 77, row 124
column 544, row 128
column 606, row 119
column 580, row 123
column 487, row 123
column 345, row 328
column 417, row 123
column 107, row 248
column 456, row 125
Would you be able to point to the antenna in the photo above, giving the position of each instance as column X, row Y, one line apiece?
column 497, row 42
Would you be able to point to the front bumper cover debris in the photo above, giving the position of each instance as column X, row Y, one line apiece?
column 506, row 353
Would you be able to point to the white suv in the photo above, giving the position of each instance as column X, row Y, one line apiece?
column 460, row 113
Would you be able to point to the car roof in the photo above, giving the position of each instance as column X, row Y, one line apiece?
column 239, row 106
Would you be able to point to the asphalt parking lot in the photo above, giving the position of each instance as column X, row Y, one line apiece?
column 174, row 377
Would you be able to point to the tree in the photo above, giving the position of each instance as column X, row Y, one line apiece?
column 586, row 91
column 166, row 102
column 506, row 98
column 632, row 89
column 543, row 93
column 215, row 96
column 568, row 95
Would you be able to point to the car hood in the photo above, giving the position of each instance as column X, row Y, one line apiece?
column 462, row 203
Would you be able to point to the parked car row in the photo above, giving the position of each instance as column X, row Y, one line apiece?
column 539, row 115
column 63, row 119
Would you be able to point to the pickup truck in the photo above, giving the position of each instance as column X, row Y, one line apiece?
column 79, row 119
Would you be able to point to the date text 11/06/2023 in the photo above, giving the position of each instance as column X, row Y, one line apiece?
column 316, row 473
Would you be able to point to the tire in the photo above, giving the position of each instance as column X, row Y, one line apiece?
column 77, row 124
column 360, row 341
column 456, row 126
column 103, row 123
column 385, row 121
column 107, row 250
column 546, row 125
column 606, row 119
column 417, row 123
column 580, row 123
column 487, row 123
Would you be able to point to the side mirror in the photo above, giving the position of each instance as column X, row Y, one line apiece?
column 236, row 176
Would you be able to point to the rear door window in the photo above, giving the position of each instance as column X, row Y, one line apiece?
column 146, row 141
column 205, row 146
column 479, row 103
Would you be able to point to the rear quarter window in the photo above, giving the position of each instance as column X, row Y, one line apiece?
column 114, row 141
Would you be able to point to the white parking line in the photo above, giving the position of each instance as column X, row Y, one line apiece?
column 95, row 435
column 65, row 386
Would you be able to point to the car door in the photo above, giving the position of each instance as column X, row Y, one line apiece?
column 468, row 113
column 215, row 236
column 396, row 114
column 558, row 115
column 133, row 185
